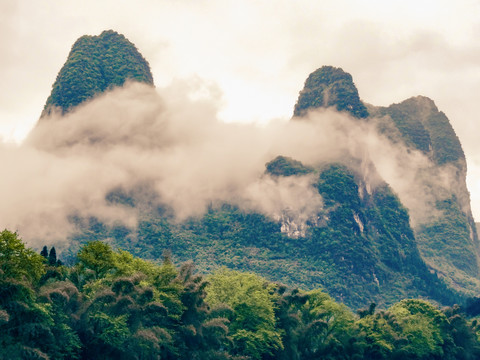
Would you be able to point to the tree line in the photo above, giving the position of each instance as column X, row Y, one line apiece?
column 112, row 305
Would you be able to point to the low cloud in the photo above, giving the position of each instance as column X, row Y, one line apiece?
column 174, row 142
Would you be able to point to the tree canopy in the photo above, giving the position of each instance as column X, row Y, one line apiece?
column 112, row 305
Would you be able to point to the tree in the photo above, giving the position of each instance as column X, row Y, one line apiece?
column 25, row 327
column 44, row 252
column 18, row 262
column 52, row 257
column 421, row 324
column 96, row 64
column 460, row 339
column 64, row 301
column 98, row 257
column 253, row 324
column 326, row 327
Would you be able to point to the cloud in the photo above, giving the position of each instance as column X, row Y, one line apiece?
column 171, row 142
column 256, row 54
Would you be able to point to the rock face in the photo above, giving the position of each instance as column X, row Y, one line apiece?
column 95, row 64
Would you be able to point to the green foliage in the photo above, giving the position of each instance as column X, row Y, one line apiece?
column 140, row 310
column 447, row 242
column 421, row 324
column 122, row 314
column 27, row 328
column 425, row 128
column 415, row 329
column 326, row 326
column 97, row 257
column 337, row 185
column 18, row 262
column 330, row 86
column 44, row 252
column 252, row 322
column 285, row 166
column 412, row 129
column 63, row 300
column 52, row 257
column 449, row 234
column 361, row 249
column 94, row 65
column 393, row 223
column 446, row 145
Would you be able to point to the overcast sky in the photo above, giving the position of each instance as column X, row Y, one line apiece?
column 257, row 54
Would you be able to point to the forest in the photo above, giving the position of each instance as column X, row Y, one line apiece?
column 111, row 305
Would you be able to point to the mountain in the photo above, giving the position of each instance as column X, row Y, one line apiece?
column 447, row 240
column 95, row 64
column 364, row 245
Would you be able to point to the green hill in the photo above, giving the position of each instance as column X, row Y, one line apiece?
column 95, row 64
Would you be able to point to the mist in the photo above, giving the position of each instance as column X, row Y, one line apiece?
column 172, row 140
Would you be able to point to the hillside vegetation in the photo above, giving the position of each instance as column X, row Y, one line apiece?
column 94, row 65
column 360, row 250
column 448, row 241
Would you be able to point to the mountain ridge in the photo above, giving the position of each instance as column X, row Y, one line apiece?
column 360, row 247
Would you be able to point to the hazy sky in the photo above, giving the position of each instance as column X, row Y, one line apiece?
column 257, row 54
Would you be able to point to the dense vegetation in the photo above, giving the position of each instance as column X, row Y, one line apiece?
column 330, row 87
column 286, row 166
column 111, row 305
column 360, row 249
column 425, row 128
column 95, row 64
column 413, row 131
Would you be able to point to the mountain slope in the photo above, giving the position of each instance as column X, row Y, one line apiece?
column 448, row 241
column 447, row 237
column 361, row 250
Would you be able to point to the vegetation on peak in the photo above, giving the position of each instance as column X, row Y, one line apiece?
column 94, row 65
column 330, row 87
column 359, row 247
column 427, row 129
column 286, row 166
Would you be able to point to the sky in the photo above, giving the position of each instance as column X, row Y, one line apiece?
column 254, row 56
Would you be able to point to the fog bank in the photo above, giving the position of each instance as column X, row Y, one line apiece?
column 172, row 139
